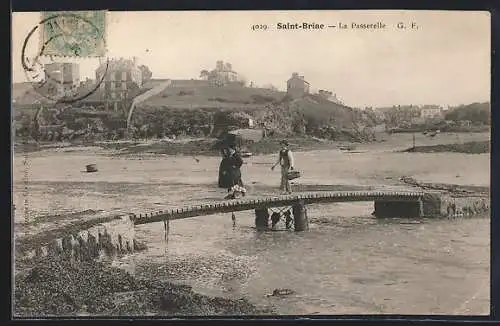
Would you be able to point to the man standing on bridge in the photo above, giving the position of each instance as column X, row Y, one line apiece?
column 286, row 161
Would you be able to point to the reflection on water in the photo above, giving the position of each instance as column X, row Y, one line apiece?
column 348, row 262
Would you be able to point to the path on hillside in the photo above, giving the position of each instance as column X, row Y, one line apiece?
column 141, row 98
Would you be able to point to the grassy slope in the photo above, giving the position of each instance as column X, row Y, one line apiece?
column 234, row 98
column 322, row 110
column 266, row 106
column 244, row 98
column 211, row 97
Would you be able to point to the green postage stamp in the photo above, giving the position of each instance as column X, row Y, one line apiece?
column 73, row 33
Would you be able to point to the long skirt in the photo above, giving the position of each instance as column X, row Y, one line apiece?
column 225, row 176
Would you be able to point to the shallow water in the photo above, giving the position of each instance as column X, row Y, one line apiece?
column 347, row 263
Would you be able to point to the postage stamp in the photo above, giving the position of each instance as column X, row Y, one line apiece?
column 73, row 34
column 66, row 39
column 259, row 163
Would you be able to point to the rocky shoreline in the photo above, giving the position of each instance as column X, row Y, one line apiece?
column 201, row 147
column 473, row 147
column 56, row 287
column 53, row 287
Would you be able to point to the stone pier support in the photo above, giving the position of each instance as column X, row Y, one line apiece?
column 261, row 219
column 301, row 221
column 395, row 209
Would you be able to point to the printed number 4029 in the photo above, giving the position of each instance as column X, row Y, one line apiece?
column 258, row 27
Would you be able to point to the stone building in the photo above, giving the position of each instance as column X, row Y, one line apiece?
column 121, row 78
column 431, row 112
column 222, row 75
column 297, row 86
column 225, row 72
column 332, row 97
column 63, row 77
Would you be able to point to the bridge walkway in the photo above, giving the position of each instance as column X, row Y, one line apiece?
column 235, row 205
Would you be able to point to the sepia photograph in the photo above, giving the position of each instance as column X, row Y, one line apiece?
column 250, row 163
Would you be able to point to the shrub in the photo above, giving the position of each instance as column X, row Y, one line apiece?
column 262, row 99
column 475, row 112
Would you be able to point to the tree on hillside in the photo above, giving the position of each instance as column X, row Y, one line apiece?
column 146, row 73
column 204, row 74
column 475, row 112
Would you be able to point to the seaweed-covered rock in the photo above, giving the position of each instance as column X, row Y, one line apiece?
column 54, row 287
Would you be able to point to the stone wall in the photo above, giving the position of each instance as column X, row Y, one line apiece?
column 445, row 205
column 434, row 204
column 108, row 239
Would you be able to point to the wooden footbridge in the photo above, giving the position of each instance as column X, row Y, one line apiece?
column 387, row 204
column 116, row 232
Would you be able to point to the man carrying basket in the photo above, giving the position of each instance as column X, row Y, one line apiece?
column 286, row 161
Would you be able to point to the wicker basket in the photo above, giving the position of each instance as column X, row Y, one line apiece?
column 91, row 168
column 293, row 175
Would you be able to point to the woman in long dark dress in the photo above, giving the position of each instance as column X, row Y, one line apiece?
column 225, row 175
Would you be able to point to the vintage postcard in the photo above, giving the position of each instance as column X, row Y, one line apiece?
column 251, row 163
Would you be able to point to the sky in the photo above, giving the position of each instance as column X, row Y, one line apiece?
column 445, row 60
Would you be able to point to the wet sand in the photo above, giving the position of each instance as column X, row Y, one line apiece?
column 347, row 263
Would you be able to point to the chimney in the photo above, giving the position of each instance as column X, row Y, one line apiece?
column 134, row 59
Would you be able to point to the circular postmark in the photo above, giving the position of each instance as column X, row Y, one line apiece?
column 55, row 76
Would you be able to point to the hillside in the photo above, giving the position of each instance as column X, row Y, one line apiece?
column 196, row 94
column 19, row 89
column 191, row 106
column 23, row 94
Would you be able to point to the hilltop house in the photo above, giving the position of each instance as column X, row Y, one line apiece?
column 297, row 86
column 225, row 71
column 222, row 75
column 62, row 76
column 431, row 112
column 327, row 95
column 120, row 78
column 408, row 114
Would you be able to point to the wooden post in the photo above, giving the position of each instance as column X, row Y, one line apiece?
column 261, row 219
column 301, row 221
